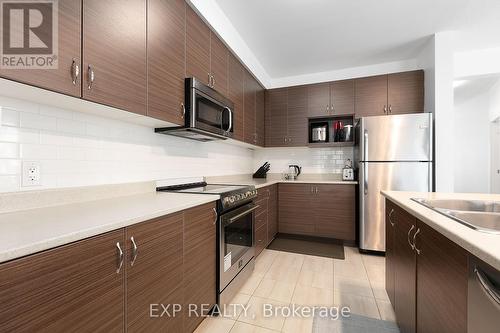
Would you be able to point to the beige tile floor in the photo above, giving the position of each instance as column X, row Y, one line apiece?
column 282, row 278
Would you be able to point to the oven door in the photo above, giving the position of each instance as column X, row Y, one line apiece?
column 210, row 115
column 236, row 230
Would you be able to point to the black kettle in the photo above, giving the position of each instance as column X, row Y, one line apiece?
column 294, row 170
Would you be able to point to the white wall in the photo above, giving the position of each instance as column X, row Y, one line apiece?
column 475, row 63
column 472, row 136
column 77, row 149
column 495, row 101
column 312, row 160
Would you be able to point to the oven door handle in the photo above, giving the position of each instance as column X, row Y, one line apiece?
column 234, row 218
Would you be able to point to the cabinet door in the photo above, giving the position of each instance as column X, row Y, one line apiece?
column 342, row 97
column 371, row 96
column 276, row 120
column 441, row 283
column 390, row 227
column 235, row 94
column 60, row 79
column 260, row 239
column 335, row 210
column 297, row 117
column 406, row 92
column 272, row 213
column 74, row 287
column 318, row 100
column 295, row 213
column 406, row 271
column 197, row 47
column 219, row 64
column 166, row 59
column 114, row 49
column 199, row 262
column 154, row 273
column 249, row 101
column 260, row 117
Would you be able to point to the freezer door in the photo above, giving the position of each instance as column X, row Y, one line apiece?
column 396, row 138
column 375, row 177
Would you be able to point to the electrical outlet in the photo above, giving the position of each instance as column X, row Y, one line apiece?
column 31, row 173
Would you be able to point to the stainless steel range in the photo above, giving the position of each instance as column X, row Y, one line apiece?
column 235, row 233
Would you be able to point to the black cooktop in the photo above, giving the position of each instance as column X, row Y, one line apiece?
column 203, row 188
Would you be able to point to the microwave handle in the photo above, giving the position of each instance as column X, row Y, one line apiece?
column 230, row 119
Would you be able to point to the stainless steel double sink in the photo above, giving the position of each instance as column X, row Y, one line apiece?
column 479, row 215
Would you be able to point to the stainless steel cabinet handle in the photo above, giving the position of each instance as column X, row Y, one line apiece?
column 385, row 108
column 316, row 190
column 414, row 241
column 90, row 77
column 390, row 108
column 75, row 71
column 409, row 242
column 390, row 217
column 213, row 81
column 332, row 108
column 327, row 108
column 209, row 80
column 120, row 257
column 183, row 110
column 134, row 251
column 215, row 215
column 487, row 285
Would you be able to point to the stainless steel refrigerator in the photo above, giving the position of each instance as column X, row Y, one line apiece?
column 394, row 153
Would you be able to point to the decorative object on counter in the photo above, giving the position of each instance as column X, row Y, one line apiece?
column 262, row 171
column 348, row 171
column 293, row 172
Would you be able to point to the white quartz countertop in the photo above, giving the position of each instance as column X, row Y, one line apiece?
column 483, row 245
column 263, row 182
column 30, row 231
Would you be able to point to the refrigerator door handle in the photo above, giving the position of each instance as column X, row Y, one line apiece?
column 365, row 146
column 365, row 178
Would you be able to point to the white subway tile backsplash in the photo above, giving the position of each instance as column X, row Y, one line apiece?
column 19, row 105
column 70, row 126
column 19, row 135
column 9, row 117
column 9, row 150
column 9, row 183
column 56, row 138
column 10, row 167
column 38, row 152
column 51, row 111
column 36, row 121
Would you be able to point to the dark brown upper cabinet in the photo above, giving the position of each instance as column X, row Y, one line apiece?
column 296, row 116
column 235, row 94
column 390, row 94
column 114, row 53
column 406, row 92
column 218, row 64
column 371, row 96
column 318, row 99
column 67, row 77
column 250, row 87
column 286, row 117
column 331, row 98
column 166, row 60
column 276, row 117
column 260, row 117
column 206, row 55
column 154, row 273
column 197, row 47
column 76, row 287
column 342, row 97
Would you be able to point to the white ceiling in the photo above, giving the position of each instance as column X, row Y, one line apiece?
column 296, row 37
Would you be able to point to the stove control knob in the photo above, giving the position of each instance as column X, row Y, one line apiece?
column 231, row 199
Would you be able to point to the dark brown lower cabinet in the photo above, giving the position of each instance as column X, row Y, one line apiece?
column 120, row 281
column 74, row 288
column 266, row 217
column 322, row 210
column 429, row 274
column 154, row 273
column 199, row 263
column 272, row 215
column 405, row 272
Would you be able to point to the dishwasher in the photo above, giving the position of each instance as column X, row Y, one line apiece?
column 483, row 303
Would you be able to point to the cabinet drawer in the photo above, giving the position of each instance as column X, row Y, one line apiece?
column 261, row 220
column 260, row 239
column 262, row 207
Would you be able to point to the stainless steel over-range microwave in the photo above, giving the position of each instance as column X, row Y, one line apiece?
column 208, row 114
